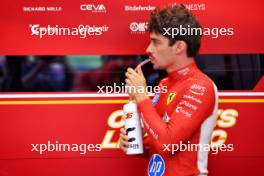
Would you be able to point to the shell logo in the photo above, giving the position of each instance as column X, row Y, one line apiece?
column 227, row 118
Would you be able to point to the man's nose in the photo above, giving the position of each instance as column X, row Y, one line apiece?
column 148, row 50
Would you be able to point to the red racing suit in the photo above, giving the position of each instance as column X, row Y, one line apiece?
column 185, row 114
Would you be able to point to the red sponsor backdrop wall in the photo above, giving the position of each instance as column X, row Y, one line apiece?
column 120, row 26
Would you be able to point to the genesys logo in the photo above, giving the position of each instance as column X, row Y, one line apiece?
column 134, row 8
column 94, row 8
column 138, row 27
column 81, row 31
column 195, row 7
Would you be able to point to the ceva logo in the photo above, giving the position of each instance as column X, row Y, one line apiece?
column 99, row 8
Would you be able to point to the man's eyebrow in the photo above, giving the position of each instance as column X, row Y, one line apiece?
column 154, row 39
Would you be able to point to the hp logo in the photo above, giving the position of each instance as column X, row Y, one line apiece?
column 156, row 166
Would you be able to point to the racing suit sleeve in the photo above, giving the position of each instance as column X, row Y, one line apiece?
column 194, row 104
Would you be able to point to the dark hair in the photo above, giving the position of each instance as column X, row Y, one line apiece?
column 174, row 16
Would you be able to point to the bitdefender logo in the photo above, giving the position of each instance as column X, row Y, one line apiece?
column 138, row 27
column 134, row 8
column 94, row 8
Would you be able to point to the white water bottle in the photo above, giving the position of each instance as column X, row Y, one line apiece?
column 133, row 129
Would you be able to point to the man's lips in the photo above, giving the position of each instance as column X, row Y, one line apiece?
column 152, row 59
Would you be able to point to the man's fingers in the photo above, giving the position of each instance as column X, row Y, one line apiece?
column 128, row 82
column 135, row 74
column 123, row 140
column 132, row 72
column 124, row 143
column 123, row 134
column 123, row 148
column 122, row 130
column 130, row 76
column 124, row 137
column 139, row 71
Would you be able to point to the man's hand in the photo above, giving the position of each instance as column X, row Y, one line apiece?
column 123, row 140
column 136, row 83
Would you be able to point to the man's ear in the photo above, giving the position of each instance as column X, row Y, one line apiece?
column 179, row 47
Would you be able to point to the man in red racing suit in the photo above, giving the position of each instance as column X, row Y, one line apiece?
column 184, row 115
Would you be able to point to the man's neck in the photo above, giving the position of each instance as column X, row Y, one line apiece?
column 180, row 63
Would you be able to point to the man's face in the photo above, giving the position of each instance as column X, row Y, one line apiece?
column 160, row 52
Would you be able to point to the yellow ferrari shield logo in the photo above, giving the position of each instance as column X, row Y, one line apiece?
column 171, row 97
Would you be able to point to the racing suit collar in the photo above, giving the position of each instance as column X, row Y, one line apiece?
column 183, row 72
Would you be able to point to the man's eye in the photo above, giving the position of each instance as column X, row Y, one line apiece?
column 155, row 42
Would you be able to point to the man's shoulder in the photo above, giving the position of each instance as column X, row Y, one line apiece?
column 199, row 82
column 163, row 82
column 201, row 78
